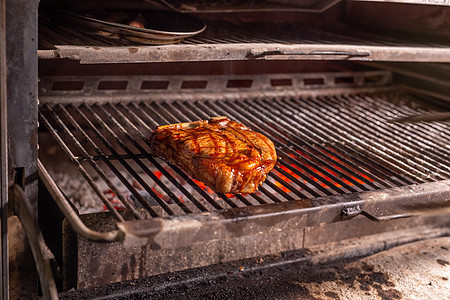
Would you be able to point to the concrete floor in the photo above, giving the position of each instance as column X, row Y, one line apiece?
column 419, row 270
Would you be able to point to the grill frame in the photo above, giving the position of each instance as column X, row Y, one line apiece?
column 22, row 92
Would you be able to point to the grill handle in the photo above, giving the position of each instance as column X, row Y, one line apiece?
column 351, row 212
column 255, row 55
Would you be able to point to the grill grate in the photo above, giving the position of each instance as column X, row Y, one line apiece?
column 327, row 145
column 53, row 33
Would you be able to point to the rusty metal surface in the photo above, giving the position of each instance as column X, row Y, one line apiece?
column 214, row 52
column 23, row 209
column 21, row 58
column 22, row 274
column 104, row 263
column 180, row 231
column 4, row 269
column 215, row 86
column 100, row 263
column 415, row 270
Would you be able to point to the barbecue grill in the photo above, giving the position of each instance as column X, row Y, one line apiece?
column 110, row 212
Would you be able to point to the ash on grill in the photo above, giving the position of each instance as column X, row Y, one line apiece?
column 86, row 201
column 81, row 194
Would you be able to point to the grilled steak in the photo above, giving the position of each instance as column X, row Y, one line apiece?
column 225, row 155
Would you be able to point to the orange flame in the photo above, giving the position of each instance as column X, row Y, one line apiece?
column 203, row 186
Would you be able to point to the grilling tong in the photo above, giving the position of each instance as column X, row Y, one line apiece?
column 425, row 117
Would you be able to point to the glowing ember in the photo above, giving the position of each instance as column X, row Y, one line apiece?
column 301, row 170
column 332, row 168
column 203, row 186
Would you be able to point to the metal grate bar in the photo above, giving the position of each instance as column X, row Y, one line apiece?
column 288, row 171
column 54, row 133
column 87, row 156
column 310, row 165
column 189, row 180
column 128, row 167
column 159, row 167
column 123, row 162
column 286, row 165
column 382, row 150
column 408, row 135
column 347, row 136
column 269, row 194
column 398, row 141
column 257, row 198
column 241, row 198
column 127, row 149
column 411, row 132
column 312, row 118
column 438, row 131
column 394, row 145
column 288, row 186
column 124, row 119
column 106, row 159
column 109, row 157
column 324, row 134
column 327, row 146
column 315, row 154
column 316, row 150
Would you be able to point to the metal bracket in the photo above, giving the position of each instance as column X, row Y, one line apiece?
column 264, row 54
column 351, row 212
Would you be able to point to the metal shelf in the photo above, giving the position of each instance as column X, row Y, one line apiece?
column 223, row 42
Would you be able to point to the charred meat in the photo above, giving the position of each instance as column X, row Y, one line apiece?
column 225, row 155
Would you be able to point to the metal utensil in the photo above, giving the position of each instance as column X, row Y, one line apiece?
column 425, row 117
column 160, row 26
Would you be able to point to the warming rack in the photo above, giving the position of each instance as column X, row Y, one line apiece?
column 338, row 157
column 224, row 41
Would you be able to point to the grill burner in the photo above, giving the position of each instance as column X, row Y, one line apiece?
column 327, row 145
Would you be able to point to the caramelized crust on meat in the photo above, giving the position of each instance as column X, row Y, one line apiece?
column 225, row 155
